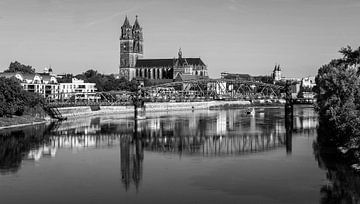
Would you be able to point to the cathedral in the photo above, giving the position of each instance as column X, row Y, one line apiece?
column 134, row 66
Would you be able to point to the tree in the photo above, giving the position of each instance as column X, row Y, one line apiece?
column 14, row 100
column 338, row 98
column 107, row 82
column 18, row 67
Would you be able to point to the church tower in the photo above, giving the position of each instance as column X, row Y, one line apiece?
column 131, row 48
column 277, row 73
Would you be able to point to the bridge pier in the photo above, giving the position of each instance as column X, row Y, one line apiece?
column 139, row 105
column 289, row 121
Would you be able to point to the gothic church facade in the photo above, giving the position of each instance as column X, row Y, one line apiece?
column 133, row 65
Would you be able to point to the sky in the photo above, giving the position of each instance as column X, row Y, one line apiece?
column 239, row 36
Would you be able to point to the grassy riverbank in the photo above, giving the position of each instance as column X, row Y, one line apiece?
column 16, row 121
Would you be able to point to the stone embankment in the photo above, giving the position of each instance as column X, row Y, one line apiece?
column 81, row 111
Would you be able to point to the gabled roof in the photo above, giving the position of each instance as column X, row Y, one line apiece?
column 195, row 61
column 185, row 77
column 167, row 62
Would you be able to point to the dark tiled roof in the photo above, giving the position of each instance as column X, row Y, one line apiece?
column 186, row 77
column 126, row 23
column 136, row 24
column 166, row 62
column 154, row 63
column 195, row 61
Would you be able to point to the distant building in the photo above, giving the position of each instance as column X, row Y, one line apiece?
column 132, row 64
column 78, row 89
column 47, row 86
column 234, row 76
column 277, row 76
column 277, row 73
column 41, row 83
column 308, row 82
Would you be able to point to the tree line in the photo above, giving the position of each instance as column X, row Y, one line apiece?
column 103, row 82
column 338, row 100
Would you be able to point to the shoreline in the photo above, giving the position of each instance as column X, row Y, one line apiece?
column 86, row 111
column 83, row 111
column 21, row 121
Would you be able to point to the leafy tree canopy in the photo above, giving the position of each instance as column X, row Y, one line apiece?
column 14, row 100
column 338, row 97
column 107, row 82
column 18, row 67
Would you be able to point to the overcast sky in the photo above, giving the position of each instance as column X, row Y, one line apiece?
column 242, row 36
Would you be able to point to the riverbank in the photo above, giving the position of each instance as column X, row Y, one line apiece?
column 83, row 111
column 20, row 121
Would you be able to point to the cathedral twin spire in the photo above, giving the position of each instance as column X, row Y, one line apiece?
column 129, row 32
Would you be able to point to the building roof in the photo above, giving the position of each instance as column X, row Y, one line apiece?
column 185, row 77
column 167, row 62
column 195, row 61
column 13, row 74
column 154, row 62
column 136, row 24
column 126, row 23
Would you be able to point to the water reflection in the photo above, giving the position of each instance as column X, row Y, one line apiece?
column 132, row 156
column 206, row 134
column 343, row 184
column 16, row 145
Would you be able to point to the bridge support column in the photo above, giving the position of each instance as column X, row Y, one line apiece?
column 139, row 105
column 289, row 120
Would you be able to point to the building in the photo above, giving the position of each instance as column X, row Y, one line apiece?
column 277, row 73
column 234, row 76
column 78, row 89
column 133, row 65
column 47, row 86
column 308, row 82
column 41, row 83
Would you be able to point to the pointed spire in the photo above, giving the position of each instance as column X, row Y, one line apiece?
column 180, row 53
column 126, row 23
column 136, row 24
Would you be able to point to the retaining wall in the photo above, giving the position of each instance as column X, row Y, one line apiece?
column 80, row 111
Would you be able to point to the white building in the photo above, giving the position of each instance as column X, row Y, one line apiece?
column 43, row 84
column 308, row 82
column 78, row 89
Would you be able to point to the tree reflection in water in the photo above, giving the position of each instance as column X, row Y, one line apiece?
column 15, row 146
column 343, row 182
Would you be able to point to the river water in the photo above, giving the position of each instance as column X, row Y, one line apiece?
column 211, row 156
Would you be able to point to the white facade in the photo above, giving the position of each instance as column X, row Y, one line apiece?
column 308, row 82
column 77, row 88
column 43, row 84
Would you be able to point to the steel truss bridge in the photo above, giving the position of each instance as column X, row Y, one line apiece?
column 182, row 91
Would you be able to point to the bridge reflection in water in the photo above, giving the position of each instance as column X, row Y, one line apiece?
column 208, row 133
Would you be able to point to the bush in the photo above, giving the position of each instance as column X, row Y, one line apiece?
column 14, row 100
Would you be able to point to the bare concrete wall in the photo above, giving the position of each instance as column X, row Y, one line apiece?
column 81, row 111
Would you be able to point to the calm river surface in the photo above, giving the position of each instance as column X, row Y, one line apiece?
column 212, row 156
